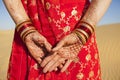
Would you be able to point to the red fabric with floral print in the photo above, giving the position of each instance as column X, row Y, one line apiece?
column 54, row 19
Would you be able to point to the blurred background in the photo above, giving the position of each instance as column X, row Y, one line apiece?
column 108, row 39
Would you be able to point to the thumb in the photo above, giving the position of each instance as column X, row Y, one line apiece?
column 59, row 45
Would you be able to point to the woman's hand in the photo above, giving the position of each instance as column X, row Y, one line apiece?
column 67, row 40
column 64, row 53
column 61, row 58
column 37, row 45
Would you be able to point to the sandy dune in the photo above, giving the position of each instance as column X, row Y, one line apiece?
column 108, row 38
column 5, row 49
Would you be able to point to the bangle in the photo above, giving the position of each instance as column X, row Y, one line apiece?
column 89, row 25
column 25, row 28
column 84, row 30
column 83, row 33
column 27, row 33
column 22, row 23
column 80, row 36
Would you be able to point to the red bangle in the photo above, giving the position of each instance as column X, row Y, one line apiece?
column 91, row 26
column 24, row 27
column 85, row 29
column 26, row 21
column 31, row 30
column 82, row 34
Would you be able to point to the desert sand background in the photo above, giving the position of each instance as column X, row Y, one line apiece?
column 108, row 39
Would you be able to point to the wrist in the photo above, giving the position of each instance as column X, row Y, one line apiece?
column 84, row 30
column 24, row 28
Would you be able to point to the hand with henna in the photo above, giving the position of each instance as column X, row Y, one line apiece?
column 63, row 54
column 37, row 45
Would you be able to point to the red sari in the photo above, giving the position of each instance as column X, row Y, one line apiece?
column 54, row 19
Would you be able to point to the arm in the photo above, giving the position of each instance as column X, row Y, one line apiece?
column 16, row 10
column 33, row 40
column 95, row 11
column 92, row 16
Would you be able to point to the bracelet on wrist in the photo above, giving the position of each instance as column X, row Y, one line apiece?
column 84, row 30
column 25, row 28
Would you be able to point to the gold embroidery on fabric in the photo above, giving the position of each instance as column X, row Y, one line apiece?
column 48, row 5
column 35, row 66
column 63, row 19
column 91, row 74
column 49, row 19
column 66, row 29
column 80, row 76
column 88, row 57
column 74, row 12
column 63, row 14
column 96, row 56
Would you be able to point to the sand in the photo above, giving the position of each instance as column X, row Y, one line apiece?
column 6, row 38
column 108, row 39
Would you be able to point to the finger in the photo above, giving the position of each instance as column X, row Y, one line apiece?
column 39, row 42
column 48, row 46
column 59, row 45
column 42, row 42
column 47, row 59
column 56, row 64
column 66, row 65
column 39, row 60
column 35, row 51
column 50, row 63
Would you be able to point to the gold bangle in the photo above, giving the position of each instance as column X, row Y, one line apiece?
column 83, row 32
column 91, row 26
column 85, row 25
column 27, row 33
column 21, row 25
column 81, row 37
column 17, row 25
column 28, row 28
